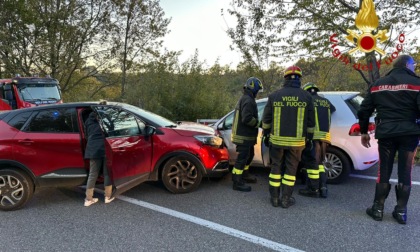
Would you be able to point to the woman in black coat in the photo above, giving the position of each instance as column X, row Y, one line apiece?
column 95, row 152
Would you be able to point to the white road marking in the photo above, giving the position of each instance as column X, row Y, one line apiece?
column 224, row 229
column 374, row 178
column 202, row 222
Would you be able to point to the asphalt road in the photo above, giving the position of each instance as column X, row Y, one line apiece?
column 213, row 218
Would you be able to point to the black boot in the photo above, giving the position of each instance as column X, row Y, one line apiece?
column 311, row 189
column 377, row 209
column 323, row 189
column 286, row 198
column 309, row 192
column 274, row 193
column 400, row 210
column 247, row 178
column 239, row 184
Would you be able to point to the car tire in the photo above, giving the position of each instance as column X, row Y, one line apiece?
column 181, row 174
column 337, row 166
column 16, row 188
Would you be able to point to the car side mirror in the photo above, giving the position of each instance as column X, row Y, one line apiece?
column 150, row 130
column 220, row 126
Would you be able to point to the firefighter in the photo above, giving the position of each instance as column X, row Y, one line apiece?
column 288, row 124
column 244, row 134
column 396, row 99
column 313, row 156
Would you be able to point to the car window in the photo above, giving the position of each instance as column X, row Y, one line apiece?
column 19, row 120
column 227, row 124
column 118, row 122
column 354, row 104
column 61, row 120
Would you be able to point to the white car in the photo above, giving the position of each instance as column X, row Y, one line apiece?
column 345, row 152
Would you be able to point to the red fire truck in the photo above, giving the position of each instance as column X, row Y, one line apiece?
column 23, row 92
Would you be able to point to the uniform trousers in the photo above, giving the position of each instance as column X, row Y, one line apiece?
column 406, row 146
column 290, row 157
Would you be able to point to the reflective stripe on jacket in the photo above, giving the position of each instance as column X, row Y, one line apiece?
column 245, row 120
column 323, row 110
column 289, row 114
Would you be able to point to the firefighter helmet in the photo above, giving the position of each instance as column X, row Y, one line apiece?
column 253, row 84
column 293, row 70
column 310, row 87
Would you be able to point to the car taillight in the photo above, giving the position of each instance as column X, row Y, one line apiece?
column 355, row 129
column 371, row 128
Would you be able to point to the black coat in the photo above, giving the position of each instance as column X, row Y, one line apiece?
column 323, row 110
column 289, row 116
column 245, row 122
column 95, row 147
column 396, row 98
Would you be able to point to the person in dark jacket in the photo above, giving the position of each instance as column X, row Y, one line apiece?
column 288, row 124
column 396, row 98
column 313, row 156
column 244, row 134
column 95, row 152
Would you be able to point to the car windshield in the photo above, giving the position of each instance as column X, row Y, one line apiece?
column 159, row 120
column 39, row 92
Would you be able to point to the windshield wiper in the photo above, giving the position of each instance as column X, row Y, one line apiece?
column 171, row 126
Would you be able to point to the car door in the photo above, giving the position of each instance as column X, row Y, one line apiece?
column 128, row 147
column 48, row 143
column 225, row 130
column 261, row 151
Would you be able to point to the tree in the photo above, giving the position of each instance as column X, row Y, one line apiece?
column 138, row 28
column 54, row 37
column 288, row 30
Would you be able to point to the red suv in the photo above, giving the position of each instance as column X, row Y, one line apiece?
column 44, row 147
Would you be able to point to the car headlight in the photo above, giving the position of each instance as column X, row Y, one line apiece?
column 209, row 140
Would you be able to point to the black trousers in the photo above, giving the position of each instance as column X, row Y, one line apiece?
column 406, row 147
column 245, row 156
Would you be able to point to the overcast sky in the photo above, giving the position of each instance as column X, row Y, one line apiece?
column 198, row 24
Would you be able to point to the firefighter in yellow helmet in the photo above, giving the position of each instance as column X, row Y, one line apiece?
column 288, row 124
column 314, row 155
column 244, row 134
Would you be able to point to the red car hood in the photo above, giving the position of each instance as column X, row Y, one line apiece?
column 192, row 128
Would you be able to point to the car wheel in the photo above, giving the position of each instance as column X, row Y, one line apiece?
column 337, row 166
column 15, row 190
column 181, row 175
